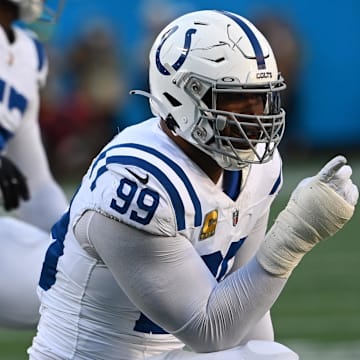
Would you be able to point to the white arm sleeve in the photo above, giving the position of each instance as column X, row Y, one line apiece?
column 263, row 330
column 253, row 242
column 47, row 200
column 167, row 280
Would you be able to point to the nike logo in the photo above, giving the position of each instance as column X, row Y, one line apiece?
column 143, row 180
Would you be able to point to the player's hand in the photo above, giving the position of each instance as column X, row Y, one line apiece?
column 13, row 184
column 318, row 208
column 337, row 175
column 10, row 119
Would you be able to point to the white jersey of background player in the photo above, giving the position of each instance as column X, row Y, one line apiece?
column 163, row 242
column 24, row 170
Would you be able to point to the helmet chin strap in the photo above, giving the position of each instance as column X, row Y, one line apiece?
column 220, row 122
column 246, row 155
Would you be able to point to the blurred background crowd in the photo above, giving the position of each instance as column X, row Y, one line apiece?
column 99, row 51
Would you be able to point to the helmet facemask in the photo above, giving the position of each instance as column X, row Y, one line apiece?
column 47, row 11
column 29, row 10
column 41, row 16
column 235, row 140
column 52, row 11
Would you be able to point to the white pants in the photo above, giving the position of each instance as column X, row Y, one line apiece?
column 22, row 252
column 253, row 350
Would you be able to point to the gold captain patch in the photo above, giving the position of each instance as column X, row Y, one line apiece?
column 209, row 226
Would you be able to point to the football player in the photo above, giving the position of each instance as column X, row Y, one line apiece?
column 164, row 242
column 26, row 183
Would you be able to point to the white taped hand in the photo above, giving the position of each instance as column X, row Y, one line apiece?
column 338, row 176
column 318, row 208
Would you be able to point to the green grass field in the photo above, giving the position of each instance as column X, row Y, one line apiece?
column 318, row 313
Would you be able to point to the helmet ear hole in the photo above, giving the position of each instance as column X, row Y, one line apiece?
column 171, row 123
column 174, row 102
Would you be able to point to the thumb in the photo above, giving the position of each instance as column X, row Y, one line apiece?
column 331, row 168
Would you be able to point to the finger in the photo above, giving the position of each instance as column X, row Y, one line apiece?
column 10, row 196
column 5, row 195
column 349, row 192
column 330, row 169
column 340, row 178
column 24, row 189
column 19, row 180
column 353, row 195
column 342, row 175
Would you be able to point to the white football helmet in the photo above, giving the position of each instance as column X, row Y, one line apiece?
column 203, row 55
column 45, row 10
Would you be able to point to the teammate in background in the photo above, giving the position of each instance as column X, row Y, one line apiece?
column 164, row 242
column 26, row 183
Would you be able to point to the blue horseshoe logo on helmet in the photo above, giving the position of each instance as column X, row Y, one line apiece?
column 184, row 52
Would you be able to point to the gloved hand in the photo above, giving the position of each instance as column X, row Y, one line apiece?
column 11, row 119
column 13, row 184
column 318, row 208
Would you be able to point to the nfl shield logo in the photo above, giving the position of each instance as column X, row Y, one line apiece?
column 235, row 217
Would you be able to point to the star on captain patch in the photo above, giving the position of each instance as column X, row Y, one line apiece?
column 209, row 226
column 235, row 217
